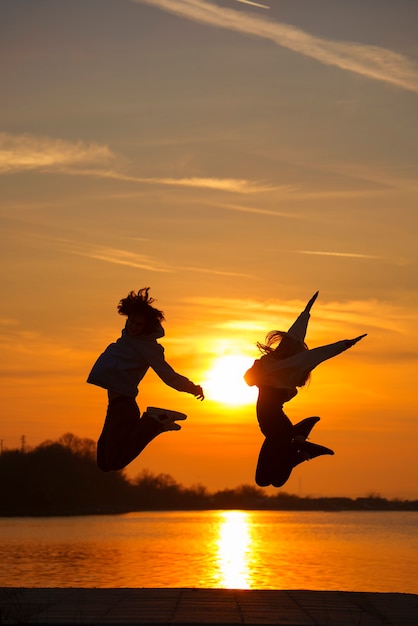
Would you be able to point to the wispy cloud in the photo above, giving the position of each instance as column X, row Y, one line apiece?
column 8, row 322
column 373, row 62
column 222, row 184
column 253, row 4
column 21, row 349
column 119, row 256
column 370, row 179
column 339, row 254
column 394, row 261
column 29, row 152
column 239, row 208
column 109, row 254
column 212, row 271
column 233, row 185
column 249, row 315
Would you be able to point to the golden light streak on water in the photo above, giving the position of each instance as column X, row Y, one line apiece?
column 234, row 545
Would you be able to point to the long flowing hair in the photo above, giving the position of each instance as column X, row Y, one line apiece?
column 282, row 345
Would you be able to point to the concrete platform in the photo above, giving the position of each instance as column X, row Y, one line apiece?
column 205, row 606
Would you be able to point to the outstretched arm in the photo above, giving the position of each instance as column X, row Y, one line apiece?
column 351, row 342
column 310, row 304
column 299, row 327
column 304, row 362
column 323, row 353
column 154, row 355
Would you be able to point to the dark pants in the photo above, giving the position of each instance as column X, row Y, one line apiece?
column 125, row 434
column 278, row 454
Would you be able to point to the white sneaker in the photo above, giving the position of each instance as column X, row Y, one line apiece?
column 166, row 418
column 174, row 415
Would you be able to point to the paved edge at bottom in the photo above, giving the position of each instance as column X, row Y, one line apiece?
column 185, row 606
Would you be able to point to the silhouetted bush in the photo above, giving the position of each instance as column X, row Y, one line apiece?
column 61, row 478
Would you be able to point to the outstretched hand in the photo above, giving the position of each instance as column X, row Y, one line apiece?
column 198, row 393
column 351, row 342
column 311, row 301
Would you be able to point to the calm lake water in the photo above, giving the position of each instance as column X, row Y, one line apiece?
column 350, row 551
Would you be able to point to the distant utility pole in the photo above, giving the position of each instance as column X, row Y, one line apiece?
column 22, row 443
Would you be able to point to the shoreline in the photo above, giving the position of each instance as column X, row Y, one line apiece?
column 315, row 507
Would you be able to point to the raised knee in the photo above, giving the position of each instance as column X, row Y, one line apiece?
column 262, row 482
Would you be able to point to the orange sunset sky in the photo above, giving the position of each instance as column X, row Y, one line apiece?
column 236, row 157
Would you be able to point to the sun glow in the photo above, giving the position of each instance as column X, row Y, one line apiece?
column 225, row 383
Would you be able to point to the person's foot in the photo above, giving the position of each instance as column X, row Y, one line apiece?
column 312, row 450
column 166, row 418
column 302, row 429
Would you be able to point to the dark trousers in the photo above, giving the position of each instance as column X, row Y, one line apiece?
column 278, row 454
column 125, row 434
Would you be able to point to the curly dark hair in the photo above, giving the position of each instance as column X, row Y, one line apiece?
column 139, row 303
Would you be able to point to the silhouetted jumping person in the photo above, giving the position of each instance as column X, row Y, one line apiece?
column 120, row 369
column 286, row 364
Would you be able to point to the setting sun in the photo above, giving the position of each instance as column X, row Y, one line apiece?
column 225, row 382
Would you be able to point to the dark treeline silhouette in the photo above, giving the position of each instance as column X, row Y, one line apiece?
column 61, row 478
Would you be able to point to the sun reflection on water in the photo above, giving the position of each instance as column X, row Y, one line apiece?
column 366, row 551
column 234, row 546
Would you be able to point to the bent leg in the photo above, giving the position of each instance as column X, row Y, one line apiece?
column 271, row 418
column 275, row 463
column 276, row 457
column 125, row 434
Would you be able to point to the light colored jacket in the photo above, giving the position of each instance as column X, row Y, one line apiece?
column 122, row 366
column 291, row 372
